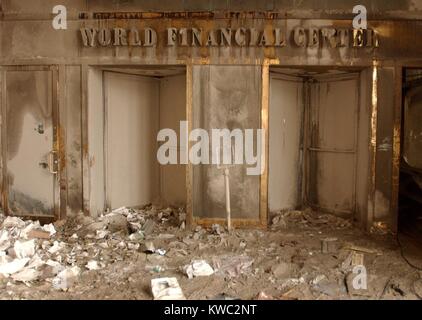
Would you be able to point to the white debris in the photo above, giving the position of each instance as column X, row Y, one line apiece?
column 14, row 266
column 35, row 262
column 4, row 245
column 318, row 279
column 11, row 222
column 198, row 268
column 4, row 235
column 24, row 249
column 123, row 210
column 66, row 278
column 166, row 289
column 166, row 236
column 137, row 236
column 133, row 246
column 49, row 228
column 161, row 252
column 4, row 258
column 93, row 265
column 57, row 246
column 31, row 226
column 26, row 275
column 101, row 234
column 56, row 267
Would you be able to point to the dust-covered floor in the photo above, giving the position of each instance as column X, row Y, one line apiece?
column 303, row 255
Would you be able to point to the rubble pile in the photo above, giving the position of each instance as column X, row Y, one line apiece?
column 148, row 253
column 31, row 253
column 308, row 219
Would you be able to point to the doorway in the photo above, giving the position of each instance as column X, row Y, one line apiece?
column 318, row 140
column 30, row 157
column 131, row 106
column 410, row 188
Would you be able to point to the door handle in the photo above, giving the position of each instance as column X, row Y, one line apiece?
column 53, row 162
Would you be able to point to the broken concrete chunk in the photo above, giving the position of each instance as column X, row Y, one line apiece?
column 198, row 268
column 166, row 289
column 24, row 249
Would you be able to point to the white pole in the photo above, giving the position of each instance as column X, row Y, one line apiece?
column 228, row 209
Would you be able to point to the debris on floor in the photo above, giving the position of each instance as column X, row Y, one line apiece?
column 166, row 289
column 198, row 268
column 149, row 253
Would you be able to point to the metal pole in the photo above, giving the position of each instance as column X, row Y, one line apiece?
column 228, row 207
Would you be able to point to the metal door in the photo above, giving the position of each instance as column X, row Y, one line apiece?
column 131, row 123
column 30, row 164
column 333, row 111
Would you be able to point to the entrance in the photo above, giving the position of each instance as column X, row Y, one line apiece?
column 131, row 106
column 318, row 140
column 410, row 195
column 29, row 142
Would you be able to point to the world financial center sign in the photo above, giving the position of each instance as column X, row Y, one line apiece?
column 228, row 37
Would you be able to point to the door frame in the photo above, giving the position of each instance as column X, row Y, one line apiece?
column 58, row 146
